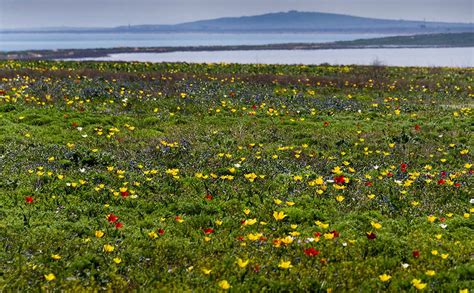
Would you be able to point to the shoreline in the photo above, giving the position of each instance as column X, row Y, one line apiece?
column 453, row 40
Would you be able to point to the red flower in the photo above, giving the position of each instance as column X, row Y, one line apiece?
column 371, row 235
column 389, row 174
column 256, row 268
column 254, row 107
column 75, row 124
column 339, row 179
column 208, row 196
column 326, row 123
column 112, row 218
column 335, row 233
column 208, row 231
column 416, row 253
column 311, row 251
column 161, row 231
column 403, row 167
column 29, row 199
column 124, row 193
column 441, row 181
column 417, row 127
column 368, row 183
column 317, row 234
column 118, row 225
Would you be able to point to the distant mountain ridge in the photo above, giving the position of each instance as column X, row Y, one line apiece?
column 291, row 21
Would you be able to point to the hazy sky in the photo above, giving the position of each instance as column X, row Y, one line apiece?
column 89, row 13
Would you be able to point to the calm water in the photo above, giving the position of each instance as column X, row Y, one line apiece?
column 452, row 57
column 50, row 41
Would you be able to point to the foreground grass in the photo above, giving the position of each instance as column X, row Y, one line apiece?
column 248, row 178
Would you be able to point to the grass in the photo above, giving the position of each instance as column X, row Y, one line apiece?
column 124, row 176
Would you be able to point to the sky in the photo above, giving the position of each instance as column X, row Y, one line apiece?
column 109, row 13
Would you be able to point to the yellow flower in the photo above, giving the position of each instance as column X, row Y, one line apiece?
column 108, row 248
column 321, row 225
column 55, row 256
column 206, row 271
column 285, row 264
column 430, row 273
column 376, row 225
column 247, row 211
column 241, row 263
column 50, row 277
column 434, row 252
column 418, row 284
column 152, row 234
column 279, row 215
column 250, row 222
column 431, row 219
column 384, row 277
column 328, row 236
column 224, row 284
column 99, row 234
column 254, row 237
column 117, row 260
column 339, row 198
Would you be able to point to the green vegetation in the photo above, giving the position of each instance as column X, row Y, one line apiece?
column 122, row 176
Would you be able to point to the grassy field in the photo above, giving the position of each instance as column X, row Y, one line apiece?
column 242, row 177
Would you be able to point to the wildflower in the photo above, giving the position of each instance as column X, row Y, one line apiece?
column 29, row 199
column 99, row 234
column 371, row 235
column 224, row 284
column 117, row 260
column 108, row 248
column 206, row 271
column 311, row 251
column 376, row 225
column 112, row 218
column 384, row 277
column 249, row 222
column 55, row 256
column 418, row 284
column 285, row 264
column 241, row 263
column 50, row 277
column 152, row 234
column 430, row 273
column 208, row 231
column 279, row 215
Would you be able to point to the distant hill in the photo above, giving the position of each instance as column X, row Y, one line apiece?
column 293, row 21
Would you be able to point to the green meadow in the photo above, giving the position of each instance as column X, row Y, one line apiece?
column 209, row 177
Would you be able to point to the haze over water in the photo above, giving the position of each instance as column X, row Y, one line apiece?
column 52, row 41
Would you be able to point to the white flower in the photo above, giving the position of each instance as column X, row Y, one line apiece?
column 237, row 165
column 376, row 167
column 472, row 200
column 310, row 239
column 79, row 128
column 405, row 265
column 443, row 226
